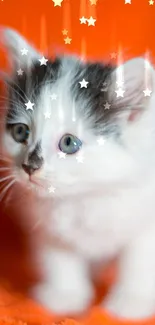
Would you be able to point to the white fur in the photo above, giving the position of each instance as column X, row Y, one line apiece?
column 101, row 208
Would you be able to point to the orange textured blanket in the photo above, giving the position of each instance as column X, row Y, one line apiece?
column 17, row 310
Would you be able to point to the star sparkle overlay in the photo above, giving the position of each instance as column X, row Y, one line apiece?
column 80, row 158
column 120, row 83
column 93, row 2
column 51, row 189
column 83, row 83
column 101, row 141
column 120, row 92
column 47, row 115
column 43, row 61
column 91, row 21
column 29, row 106
column 105, row 87
column 107, row 105
column 53, row 96
column 64, row 32
column 113, row 55
column 151, row 2
column 62, row 155
column 83, row 20
column 57, row 2
column 67, row 40
column 20, row 72
column 147, row 92
column 24, row 51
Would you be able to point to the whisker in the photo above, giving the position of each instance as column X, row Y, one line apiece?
column 5, row 178
column 4, row 168
column 11, row 81
column 7, row 99
column 6, row 161
column 15, row 91
column 6, row 189
column 4, row 157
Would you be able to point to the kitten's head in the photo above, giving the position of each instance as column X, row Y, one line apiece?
column 67, row 127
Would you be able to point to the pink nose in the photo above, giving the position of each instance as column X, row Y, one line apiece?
column 29, row 169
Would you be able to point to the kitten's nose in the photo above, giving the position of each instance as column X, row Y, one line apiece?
column 29, row 169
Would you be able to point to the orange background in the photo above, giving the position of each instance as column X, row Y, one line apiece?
column 128, row 26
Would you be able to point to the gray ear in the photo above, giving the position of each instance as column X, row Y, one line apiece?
column 136, row 76
column 15, row 44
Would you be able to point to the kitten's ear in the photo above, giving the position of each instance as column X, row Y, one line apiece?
column 133, row 77
column 15, row 44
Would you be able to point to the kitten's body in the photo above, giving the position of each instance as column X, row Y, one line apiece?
column 104, row 206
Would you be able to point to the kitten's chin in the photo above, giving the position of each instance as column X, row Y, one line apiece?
column 33, row 184
column 38, row 189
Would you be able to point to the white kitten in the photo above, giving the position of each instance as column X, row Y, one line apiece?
column 102, row 196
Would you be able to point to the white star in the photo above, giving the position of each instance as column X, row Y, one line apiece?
column 101, row 141
column 67, row 40
column 62, row 155
column 91, row 21
column 20, row 72
column 147, row 92
column 107, row 105
column 83, row 83
column 29, row 105
column 47, row 115
column 119, row 83
column 65, row 32
column 51, row 189
column 151, row 2
column 57, row 2
column 53, row 96
column 24, row 51
column 105, row 87
column 83, row 20
column 120, row 92
column 43, row 61
column 128, row 1
column 113, row 55
column 79, row 159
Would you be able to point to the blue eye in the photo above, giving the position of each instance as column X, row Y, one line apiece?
column 20, row 132
column 69, row 144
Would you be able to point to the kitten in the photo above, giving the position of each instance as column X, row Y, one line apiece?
column 96, row 163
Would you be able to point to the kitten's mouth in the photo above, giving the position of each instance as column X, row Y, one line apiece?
column 37, row 186
column 36, row 183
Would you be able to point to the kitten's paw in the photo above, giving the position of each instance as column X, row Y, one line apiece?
column 128, row 306
column 65, row 301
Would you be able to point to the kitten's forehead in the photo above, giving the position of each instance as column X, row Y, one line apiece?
column 65, row 75
column 29, row 83
column 27, row 87
column 71, row 68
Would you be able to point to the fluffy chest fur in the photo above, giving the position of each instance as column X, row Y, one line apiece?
column 99, row 225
